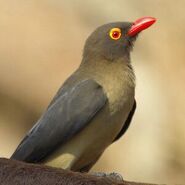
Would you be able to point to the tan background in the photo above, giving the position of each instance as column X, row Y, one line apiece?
column 41, row 45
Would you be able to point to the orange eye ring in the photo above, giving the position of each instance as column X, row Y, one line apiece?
column 115, row 33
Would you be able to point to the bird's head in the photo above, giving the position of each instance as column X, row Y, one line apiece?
column 114, row 40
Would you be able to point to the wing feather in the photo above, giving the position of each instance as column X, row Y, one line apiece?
column 127, row 123
column 72, row 109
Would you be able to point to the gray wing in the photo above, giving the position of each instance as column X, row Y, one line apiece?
column 127, row 122
column 72, row 109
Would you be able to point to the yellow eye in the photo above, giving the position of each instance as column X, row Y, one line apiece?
column 115, row 33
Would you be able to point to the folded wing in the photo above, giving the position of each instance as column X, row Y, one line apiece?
column 71, row 110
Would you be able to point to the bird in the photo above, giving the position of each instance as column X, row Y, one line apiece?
column 94, row 106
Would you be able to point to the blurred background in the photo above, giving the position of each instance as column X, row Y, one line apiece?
column 41, row 44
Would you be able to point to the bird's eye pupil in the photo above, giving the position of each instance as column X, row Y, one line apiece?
column 115, row 34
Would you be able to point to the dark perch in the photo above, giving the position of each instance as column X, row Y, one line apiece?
column 19, row 173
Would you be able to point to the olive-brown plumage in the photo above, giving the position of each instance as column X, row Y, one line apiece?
column 93, row 108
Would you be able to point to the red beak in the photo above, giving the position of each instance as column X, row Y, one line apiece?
column 141, row 24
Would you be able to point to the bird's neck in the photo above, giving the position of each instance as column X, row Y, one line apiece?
column 117, row 79
column 120, row 68
column 118, row 72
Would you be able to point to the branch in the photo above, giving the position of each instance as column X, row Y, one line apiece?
column 19, row 173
